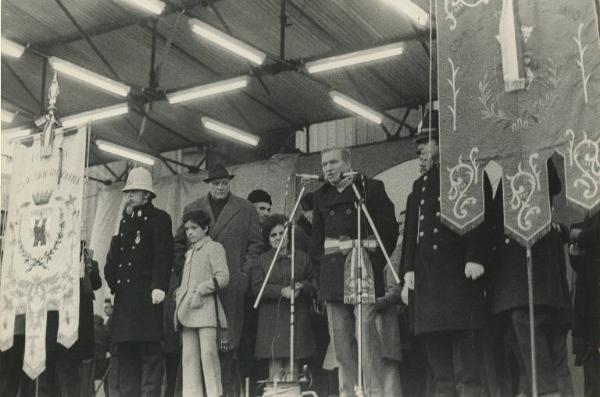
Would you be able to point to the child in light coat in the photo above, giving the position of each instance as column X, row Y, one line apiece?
column 196, row 313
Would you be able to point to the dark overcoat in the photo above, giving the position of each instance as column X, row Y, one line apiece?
column 83, row 348
column 587, row 266
column 238, row 230
column 139, row 261
column 273, row 335
column 586, row 324
column 411, row 218
column 334, row 216
column 444, row 299
column 508, row 275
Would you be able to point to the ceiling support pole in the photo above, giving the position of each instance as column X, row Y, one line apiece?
column 283, row 23
column 88, row 39
column 43, row 90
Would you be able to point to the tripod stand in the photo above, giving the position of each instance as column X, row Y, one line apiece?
column 357, row 265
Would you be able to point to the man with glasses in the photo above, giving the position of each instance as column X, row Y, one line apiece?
column 236, row 225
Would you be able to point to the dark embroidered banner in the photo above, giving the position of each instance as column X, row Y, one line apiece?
column 517, row 81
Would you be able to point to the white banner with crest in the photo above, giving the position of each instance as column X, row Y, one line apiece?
column 41, row 260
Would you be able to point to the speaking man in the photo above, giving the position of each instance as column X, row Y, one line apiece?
column 335, row 220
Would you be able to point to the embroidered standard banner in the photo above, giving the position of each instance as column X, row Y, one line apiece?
column 41, row 263
column 517, row 81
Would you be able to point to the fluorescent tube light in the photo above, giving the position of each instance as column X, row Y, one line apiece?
column 153, row 6
column 410, row 9
column 356, row 107
column 11, row 48
column 227, row 42
column 14, row 133
column 208, row 89
column 94, row 115
column 121, row 151
column 355, row 58
column 86, row 76
column 6, row 116
column 229, row 131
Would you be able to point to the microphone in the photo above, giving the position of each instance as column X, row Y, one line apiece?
column 315, row 177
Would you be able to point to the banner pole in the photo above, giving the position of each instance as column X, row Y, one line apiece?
column 531, row 322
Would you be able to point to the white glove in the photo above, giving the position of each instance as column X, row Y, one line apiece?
column 474, row 270
column 574, row 250
column 158, row 296
column 409, row 280
column 404, row 295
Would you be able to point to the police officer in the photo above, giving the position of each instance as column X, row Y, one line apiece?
column 444, row 269
column 137, row 271
column 334, row 217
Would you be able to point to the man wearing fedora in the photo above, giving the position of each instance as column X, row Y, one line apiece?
column 137, row 272
column 236, row 225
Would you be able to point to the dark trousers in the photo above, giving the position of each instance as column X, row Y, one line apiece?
column 414, row 373
column 112, row 378
column 12, row 377
column 140, row 369
column 586, row 345
column 496, row 372
column 591, row 374
column 230, row 373
column 550, row 350
column 249, row 366
column 172, row 361
column 455, row 361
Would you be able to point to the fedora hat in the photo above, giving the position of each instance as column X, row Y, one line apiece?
column 218, row 171
column 139, row 178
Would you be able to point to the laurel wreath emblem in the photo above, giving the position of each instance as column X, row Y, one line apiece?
column 537, row 111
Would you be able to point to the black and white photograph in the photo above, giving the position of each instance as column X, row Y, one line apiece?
column 300, row 198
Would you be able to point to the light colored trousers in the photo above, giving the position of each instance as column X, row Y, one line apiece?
column 200, row 362
column 344, row 324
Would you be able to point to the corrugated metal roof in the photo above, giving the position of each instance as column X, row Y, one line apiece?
column 283, row 101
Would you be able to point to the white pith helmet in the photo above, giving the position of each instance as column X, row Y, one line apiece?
column 139, row 178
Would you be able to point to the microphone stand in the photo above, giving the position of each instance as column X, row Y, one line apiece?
column 362, row 208
column 360, row 392
column 291, row 223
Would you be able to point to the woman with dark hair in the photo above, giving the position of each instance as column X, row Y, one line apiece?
column 273, row 336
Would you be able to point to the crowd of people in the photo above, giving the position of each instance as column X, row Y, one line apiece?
column 457, row 323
